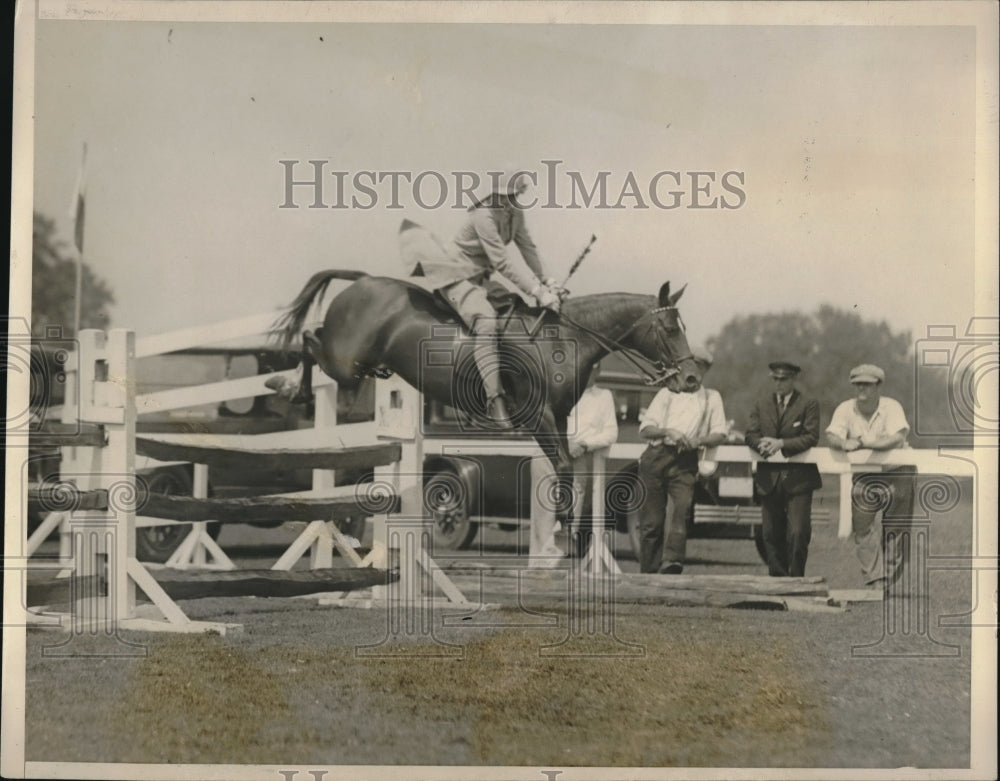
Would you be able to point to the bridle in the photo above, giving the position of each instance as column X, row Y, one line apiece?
column 661, row 371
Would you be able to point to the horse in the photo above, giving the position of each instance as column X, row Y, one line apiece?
column 378, row 326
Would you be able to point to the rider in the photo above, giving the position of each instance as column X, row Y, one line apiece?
column 478, row 250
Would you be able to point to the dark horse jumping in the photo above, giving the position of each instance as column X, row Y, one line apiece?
column 379, row 325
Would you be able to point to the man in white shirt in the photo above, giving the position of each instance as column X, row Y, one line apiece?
column 675, row 425
column 871, row 420
column 592, row 426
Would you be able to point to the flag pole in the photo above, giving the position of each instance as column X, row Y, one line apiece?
column 77, row 212
column 78, row 294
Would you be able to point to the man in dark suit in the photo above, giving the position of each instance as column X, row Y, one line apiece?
column 785, row 421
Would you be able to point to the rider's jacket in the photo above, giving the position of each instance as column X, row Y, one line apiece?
column 479, row 248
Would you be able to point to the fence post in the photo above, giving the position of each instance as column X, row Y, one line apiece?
column 103, row 541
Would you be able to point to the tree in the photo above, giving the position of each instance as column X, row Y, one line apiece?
column 53, row 284
column 826, row 344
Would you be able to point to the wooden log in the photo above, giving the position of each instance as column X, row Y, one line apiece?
column 79, row 434
column 184, row 584
column 359, row 457
column 748, row 584
column 64, row 497
column 550, row 591
column 253, row 509
column 268, row 583
column 60, row 590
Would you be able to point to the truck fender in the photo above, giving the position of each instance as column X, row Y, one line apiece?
column 467, row 470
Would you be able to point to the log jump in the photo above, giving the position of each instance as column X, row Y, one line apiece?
column 100, row 499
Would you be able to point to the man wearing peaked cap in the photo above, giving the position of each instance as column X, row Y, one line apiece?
column 783, row 420
column 876, row 422
column 784, row 369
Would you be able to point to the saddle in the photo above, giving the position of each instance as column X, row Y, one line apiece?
column 506, row 303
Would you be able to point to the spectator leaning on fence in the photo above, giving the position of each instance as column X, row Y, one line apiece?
column 784, row 421
column 592, row 425
column 675, row 426
column 871, row 420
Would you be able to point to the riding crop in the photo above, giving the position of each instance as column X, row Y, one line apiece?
column 572, row 270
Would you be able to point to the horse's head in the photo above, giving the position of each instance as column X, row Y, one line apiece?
column 659, row 336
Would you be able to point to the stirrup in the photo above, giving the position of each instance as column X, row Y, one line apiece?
column 496, row 409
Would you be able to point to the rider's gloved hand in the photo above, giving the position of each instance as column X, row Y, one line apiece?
column 555, row 287
column 547, row 299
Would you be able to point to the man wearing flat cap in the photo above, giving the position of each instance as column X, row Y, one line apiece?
column 785, row 421
column 873, row 421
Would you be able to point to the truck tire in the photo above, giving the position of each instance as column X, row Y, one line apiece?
column 157, row 543
column 447, row 502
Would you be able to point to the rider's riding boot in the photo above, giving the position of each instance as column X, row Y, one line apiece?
column 488, row 363
column 496, row 408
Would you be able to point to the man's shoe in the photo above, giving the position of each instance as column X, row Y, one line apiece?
column 496, row 408
column 673, row 568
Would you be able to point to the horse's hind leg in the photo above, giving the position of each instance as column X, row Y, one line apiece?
column 299, row 390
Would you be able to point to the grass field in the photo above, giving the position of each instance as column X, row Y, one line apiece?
column 708, row 687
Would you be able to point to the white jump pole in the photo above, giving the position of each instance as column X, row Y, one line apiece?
column 599, row 558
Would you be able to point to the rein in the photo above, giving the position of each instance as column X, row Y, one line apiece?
column 663, row 372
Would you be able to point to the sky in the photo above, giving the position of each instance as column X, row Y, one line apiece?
column 854, row 148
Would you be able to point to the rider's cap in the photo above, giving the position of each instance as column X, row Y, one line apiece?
column 702, row 354
column 867, row 372
column 502, row 183
column 782, row 369
column 507, row 182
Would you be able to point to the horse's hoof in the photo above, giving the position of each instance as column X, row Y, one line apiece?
column 279, row 385
column 286, row 389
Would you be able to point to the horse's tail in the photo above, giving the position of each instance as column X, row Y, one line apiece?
column 289, row 324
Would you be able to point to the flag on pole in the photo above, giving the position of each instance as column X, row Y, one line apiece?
column 78, row 207
column 77, row 213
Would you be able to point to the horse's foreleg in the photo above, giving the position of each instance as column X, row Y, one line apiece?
column 551, row 437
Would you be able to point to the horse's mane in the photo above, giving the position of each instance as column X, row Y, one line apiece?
column 606, row 307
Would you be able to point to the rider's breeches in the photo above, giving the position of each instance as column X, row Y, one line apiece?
column 471, row 304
